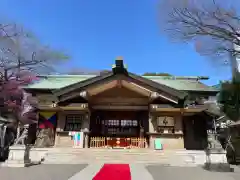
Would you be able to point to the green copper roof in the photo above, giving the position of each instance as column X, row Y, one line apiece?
column 58, row 81
column 182, row 83
column 179, row 83
column 217, row 86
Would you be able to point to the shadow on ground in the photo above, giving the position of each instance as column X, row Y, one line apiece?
column 218, row 167
column 189, row 173
column 41, row 172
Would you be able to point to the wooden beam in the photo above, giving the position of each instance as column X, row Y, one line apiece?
column 120, row 100
column 135, row 87
column 155, row 108
column 111, row 107
column 73, row 106
column 155, row 95
column 67, row 108
column 48, row 108
column 101, row 88
column 166, row 109
column 72, row 95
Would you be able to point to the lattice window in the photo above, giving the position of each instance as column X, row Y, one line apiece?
column 113, row 130
column 113, row 122
column 130, row 123
column 74, row 122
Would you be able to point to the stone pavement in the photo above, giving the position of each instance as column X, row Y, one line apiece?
column 190, row 173
column 41, row 172
column 138, row 171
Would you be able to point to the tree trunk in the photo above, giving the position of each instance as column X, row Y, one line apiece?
column 31, row 138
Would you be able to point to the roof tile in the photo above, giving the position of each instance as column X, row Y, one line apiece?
column 60, row 81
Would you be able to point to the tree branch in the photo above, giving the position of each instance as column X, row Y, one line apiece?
column 196, row 22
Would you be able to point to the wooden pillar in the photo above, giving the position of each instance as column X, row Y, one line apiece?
column 85, row 128
column 151, row 130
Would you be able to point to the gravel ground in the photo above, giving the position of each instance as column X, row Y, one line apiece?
column 41, row 172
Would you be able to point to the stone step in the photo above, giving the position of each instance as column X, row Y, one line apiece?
column 116, row 157
column 165, row 162
column 171, row 161
column 107, row 157
column 112, row 155
column 146, row 156
column 115, row 160
column 106, row 151
column 145, row 159
column 136, row 152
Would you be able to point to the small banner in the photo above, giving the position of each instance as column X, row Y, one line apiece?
column 47, row 120
column 77, row 138
column 157, row 144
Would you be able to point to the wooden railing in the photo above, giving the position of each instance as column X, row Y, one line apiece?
column 103, row 142
column 138, row 143
column 97, row 142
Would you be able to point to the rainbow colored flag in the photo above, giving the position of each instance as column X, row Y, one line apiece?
column 47, row 120
column 76, row 137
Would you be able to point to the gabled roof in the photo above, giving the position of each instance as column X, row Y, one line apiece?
column 172, row 84
column 183, row 83
column 119, row 69
column 59, row 81
column 159, row 86
column 82, row 83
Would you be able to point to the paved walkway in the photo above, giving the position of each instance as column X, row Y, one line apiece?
column 138, row 172
column 41, row 172
column 189, row 173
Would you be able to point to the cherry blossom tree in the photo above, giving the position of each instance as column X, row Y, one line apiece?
column 21, row 58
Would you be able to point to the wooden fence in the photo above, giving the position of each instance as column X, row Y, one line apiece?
column 97, row 142
column 101, row 142
column 138, row 143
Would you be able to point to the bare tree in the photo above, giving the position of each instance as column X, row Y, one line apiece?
column 212, row 25
column 19, row 50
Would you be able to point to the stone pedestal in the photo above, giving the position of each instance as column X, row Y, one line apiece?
column 23, row 156
column 217, row 156
column 215, row 160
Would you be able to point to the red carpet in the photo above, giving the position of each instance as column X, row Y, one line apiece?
column 114, row 172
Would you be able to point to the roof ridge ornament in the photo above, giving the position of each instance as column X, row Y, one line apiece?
column 119, row 67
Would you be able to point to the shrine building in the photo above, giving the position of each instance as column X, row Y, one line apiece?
column 120, row 109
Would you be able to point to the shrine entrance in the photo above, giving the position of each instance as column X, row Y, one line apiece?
column 118, row 128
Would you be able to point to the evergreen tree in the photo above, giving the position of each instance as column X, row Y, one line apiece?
column 229, row 98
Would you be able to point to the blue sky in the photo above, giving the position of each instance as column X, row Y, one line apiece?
column 94, row 32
